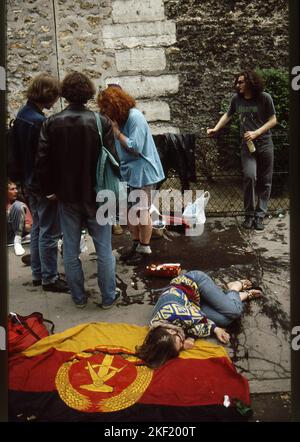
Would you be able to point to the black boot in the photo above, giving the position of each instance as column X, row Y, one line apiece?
column 130, row 252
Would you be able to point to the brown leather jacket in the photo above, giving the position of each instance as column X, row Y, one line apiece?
column 68, row 151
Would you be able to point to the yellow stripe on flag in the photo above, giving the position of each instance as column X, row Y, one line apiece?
column 119, row 335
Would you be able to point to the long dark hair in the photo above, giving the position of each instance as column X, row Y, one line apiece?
column 158, row 347
column 253, row 81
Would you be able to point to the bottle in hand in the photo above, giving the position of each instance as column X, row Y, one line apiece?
column 251, row 146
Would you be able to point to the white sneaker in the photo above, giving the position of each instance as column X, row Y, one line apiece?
column 19, row 250
column 144, row 249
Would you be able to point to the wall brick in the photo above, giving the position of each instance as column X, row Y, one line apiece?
column 130, row 35
column 158, row 128
column 154, row 110
column 145, row 59
column 147, row 87
column 126, row 11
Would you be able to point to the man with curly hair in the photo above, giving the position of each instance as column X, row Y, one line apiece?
column 68, row 151
column 42, row 93
column 256, row 113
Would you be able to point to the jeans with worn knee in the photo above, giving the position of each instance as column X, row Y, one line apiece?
column 16, row 220
column 44, row 236
column 258, row 171
column 72, row 217
column 222, row 307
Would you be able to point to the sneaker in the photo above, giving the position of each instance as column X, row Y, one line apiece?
column 258, row 224
column 19, row 250
column 129, row 253
column 36, row 282
column 108, row 306
column 82, row 304
column 248, row 223
column 26, row 259
column 144, row 249
column 59, row 286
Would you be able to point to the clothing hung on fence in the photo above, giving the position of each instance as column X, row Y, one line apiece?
column 177, row 152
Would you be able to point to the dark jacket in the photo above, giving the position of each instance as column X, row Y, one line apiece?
column 68, row 152
column 26, row 130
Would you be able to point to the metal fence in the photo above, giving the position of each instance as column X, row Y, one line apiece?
column 226, row 193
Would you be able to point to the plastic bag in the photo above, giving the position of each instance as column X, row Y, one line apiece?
column 194, row 215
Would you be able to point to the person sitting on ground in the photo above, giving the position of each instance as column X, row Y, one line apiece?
column 19, row 219
column 192, row 307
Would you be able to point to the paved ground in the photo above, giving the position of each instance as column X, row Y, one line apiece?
column 259, row 346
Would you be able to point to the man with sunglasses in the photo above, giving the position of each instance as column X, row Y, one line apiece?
column 256, row 114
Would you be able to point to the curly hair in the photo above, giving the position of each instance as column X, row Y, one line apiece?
column 77, row 88
column 115, row 103
column 253, row 81
column 158, row 348
column 43, row 89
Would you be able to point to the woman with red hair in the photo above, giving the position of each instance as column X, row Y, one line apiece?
column 140, row 165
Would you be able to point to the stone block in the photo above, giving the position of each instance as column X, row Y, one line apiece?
column 154, row 110
column 158, row 129
column 130, row 35
column 147, row 87
column 144, row 59
column 126, row 11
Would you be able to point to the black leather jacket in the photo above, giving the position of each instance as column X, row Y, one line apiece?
column 68, row 151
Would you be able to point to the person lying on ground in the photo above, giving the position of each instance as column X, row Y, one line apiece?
column 192, row 307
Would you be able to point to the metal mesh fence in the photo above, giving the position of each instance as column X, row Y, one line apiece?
column 218, row 166
column 226, row 193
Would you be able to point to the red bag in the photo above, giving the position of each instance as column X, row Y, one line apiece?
column 23, row 331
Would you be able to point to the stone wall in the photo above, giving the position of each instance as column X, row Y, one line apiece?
column 214, row 41
column 177, row 57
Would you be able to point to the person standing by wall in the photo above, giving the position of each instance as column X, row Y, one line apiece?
column 42, row 93
column 141, row 167
column 256, row 113
column 67, row 156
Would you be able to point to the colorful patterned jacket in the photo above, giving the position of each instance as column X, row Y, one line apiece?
column 178, row 305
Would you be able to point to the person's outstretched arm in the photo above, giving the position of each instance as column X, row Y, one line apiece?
column 221, row 123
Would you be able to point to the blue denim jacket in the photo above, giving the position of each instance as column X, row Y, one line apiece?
column 27, row 127
column 140, row 164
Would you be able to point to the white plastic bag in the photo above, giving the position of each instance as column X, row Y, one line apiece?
column 194, row 215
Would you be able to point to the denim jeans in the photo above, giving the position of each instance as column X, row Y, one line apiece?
column 222, row 307
column 258, row 171
column 72, row 217
column 44, row 235
column 16, row 221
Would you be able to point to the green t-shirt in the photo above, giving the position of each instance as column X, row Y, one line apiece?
column 253, row 113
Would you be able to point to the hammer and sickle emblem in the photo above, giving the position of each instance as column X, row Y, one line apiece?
column 105, row 372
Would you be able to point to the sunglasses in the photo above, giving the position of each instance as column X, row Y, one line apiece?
column 240, row 82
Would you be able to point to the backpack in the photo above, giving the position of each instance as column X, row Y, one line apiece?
column 23, row 331
column 108, row 169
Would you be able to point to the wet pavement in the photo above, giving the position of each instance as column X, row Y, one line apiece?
column 259, row 344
